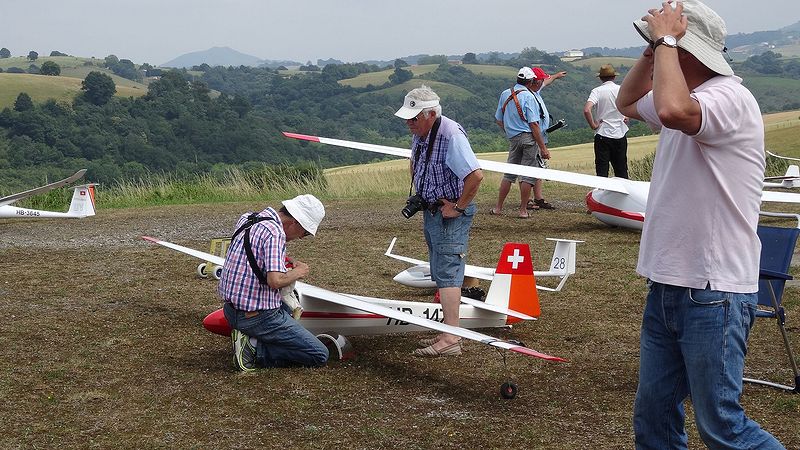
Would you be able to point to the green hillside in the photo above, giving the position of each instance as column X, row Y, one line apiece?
column 379, row 78
column 71, row 66
column 43, row 87
column 445, row 90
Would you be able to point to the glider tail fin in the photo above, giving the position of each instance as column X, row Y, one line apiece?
column 82, row 204
column 514, row 285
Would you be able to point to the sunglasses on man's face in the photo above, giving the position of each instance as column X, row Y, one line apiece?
column 415, row 118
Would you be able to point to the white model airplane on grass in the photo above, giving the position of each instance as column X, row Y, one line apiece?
column 787, row 181
column 562, row 265
column 82, row 204
column 613, row 201
column 512, row 297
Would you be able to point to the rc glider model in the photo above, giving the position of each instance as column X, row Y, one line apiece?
column 512, row 298
column 562, row 265
column 82, row 204
column 613, row 201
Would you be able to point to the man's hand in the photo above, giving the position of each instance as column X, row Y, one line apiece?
column 545, row 152
column 666, row 21
column 300, row 269
column 448, row 209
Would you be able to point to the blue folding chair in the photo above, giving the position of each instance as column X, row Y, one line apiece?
column 777, row 248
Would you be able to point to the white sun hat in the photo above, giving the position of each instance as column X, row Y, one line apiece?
column 704, row 38
column 307, row 210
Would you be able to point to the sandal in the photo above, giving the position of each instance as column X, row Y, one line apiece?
column 492, row 212
column 541, row 203
column 532, row 206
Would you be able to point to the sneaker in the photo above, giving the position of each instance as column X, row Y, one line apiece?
column 244, row 354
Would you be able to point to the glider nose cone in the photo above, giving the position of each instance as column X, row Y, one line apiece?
column 216, row 323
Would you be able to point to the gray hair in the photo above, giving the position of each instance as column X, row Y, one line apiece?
column 426, row 94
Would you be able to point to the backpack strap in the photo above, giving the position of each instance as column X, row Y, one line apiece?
column 513, row 96
column 252, row 219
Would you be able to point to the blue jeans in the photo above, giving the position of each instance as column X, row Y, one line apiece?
column 282, row 341
column 447, row 245
column 693, row 343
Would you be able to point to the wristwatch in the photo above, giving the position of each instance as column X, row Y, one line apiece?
column 461, row 210
column 668, row 41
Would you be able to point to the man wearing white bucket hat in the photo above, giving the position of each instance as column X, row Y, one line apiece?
column 705, row 194
column 254, row 283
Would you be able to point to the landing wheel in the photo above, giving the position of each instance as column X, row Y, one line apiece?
column 217, row 272
column 508, row 390
column 201, row 271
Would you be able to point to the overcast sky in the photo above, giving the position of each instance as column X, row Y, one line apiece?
column 156, row 31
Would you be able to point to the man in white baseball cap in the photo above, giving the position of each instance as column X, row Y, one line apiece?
column 705, row 193
column 253, row 282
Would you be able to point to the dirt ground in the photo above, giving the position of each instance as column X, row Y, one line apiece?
column 102, row 343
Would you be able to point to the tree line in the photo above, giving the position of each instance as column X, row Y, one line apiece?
column 233, row 117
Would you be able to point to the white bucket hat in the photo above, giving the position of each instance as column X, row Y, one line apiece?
column 307, row 210
column 704, row 38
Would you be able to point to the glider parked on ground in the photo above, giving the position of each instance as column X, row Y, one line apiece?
column 562, row 265
column 82, row 204
column 512, row 298
column 613, row 201
column 791, row 179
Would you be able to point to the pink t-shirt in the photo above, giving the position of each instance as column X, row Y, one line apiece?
column 705, row 194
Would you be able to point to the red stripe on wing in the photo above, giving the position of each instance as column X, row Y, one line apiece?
column 302, row 137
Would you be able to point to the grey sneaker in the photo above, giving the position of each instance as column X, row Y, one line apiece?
column 244, row 354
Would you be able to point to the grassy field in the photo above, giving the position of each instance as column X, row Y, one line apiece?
column 103, row 345
column 444, row 90
column 72, row 67
column 42, row 87
column 595, row 63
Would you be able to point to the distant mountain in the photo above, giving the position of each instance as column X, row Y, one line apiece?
column 216, row 56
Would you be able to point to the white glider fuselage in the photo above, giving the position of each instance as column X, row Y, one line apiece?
column 82, row 204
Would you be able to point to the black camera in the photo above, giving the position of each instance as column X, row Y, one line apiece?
column 560, row 124
column 414, row 204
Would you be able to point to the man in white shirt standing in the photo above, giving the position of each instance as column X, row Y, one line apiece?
column 610, row 142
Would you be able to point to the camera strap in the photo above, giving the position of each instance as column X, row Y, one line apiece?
column 431, row 143
column 252, row 219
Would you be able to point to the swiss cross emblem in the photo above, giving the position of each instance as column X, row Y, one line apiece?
column 515, row 259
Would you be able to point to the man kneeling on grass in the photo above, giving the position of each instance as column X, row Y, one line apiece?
column 264, row 332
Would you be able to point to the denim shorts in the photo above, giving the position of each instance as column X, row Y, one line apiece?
column 447, row 245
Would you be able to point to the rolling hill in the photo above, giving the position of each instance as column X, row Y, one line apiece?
column 43, row 87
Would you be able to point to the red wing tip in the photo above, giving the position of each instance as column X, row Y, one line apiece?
column 151, row 239
column 531, row 352
column 303, row 137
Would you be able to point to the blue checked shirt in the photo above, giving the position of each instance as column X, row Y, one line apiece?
column 238, row 285
column 451, row 160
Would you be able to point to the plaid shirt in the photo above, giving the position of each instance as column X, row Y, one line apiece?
column 238, row 285
column 451, row 160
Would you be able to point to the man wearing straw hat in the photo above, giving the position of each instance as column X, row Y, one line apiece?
column 610, row 142
column 705, row 195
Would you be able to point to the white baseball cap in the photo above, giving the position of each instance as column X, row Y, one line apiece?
column 412, row 107
column 526, row 73
column 307, row 210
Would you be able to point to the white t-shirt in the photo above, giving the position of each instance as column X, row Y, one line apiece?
column 613, row 122
column 705, row 194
